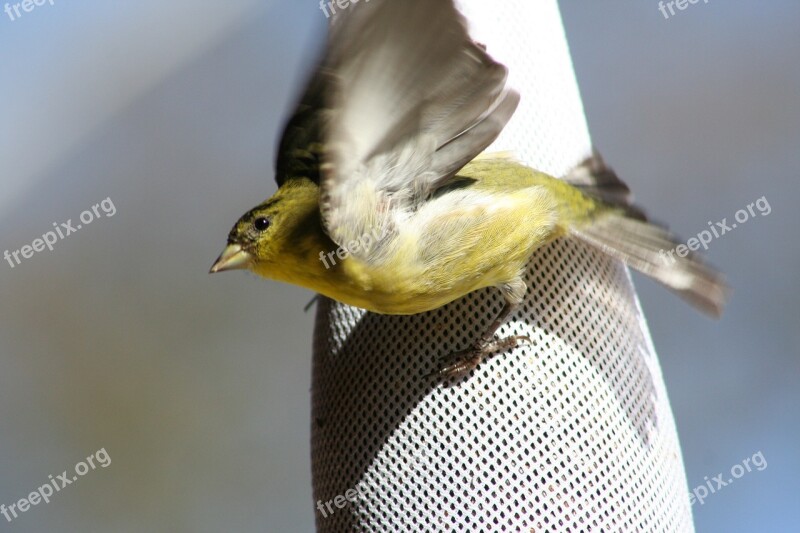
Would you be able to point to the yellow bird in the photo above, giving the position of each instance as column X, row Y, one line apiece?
column 384, row 202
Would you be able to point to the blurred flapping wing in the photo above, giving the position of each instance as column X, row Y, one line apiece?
column 402, row 99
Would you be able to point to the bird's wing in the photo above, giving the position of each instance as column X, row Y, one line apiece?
column 404, row 98
column 300, row 149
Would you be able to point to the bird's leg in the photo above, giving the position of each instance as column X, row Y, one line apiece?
column 314, row 300
column 466, row 360
column 505, row 312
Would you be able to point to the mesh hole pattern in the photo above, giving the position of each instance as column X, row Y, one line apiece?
column 571, row 433
column 561, row 435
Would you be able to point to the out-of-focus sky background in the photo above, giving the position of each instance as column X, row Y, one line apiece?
column 198, row 387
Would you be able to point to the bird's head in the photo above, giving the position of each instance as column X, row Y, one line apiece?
column 266, row 238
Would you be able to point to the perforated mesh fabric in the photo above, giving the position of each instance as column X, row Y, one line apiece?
column 572, row 433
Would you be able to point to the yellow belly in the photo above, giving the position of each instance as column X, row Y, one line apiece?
column 455, row 249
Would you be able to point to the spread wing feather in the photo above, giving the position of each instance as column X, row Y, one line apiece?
column 402, row 99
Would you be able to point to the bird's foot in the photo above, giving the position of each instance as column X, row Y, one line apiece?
column 462, row 362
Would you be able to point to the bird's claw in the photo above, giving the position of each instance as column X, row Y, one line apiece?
column 464, row 361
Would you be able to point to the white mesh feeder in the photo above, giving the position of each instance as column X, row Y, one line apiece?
column 571, row 433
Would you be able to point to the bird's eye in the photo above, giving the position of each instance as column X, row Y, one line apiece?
column 261, row 223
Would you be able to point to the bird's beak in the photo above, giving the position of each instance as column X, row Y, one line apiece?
column 232, row 258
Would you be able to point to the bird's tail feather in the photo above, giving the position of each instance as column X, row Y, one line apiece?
column 625, row 234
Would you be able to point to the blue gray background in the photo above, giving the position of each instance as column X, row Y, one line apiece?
column 198, row 386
